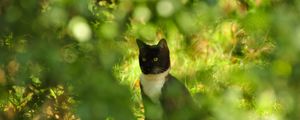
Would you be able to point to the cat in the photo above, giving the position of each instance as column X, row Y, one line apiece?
column 164, row 97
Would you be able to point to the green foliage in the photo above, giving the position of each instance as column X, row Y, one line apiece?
column 78, row 59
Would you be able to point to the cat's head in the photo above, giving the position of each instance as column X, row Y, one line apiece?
column 154, row 59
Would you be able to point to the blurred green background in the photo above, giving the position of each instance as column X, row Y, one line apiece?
column 70, row 60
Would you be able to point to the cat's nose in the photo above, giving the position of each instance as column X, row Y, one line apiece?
column 156, row 70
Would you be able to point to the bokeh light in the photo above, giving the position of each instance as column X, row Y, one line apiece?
column 80, row 29
column 142, row 13
column 165, row 8
column 64, row 59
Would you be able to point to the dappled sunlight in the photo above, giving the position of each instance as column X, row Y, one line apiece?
column 63, row 59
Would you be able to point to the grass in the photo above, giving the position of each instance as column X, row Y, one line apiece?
column 215, row 64
column 223, row 51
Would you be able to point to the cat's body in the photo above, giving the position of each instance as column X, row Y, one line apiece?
column 164, row 97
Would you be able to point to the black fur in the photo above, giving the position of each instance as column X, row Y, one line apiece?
column 175, row 99
column 150, row 52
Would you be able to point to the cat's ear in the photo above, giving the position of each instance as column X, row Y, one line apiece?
column 162, row 43
column 140, row 44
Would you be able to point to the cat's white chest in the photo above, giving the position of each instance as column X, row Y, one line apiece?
column 152, row 85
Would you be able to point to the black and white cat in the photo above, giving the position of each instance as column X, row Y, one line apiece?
column 164, row 97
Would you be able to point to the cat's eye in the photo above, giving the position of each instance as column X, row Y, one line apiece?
column 155, row 59
column 144, row 59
